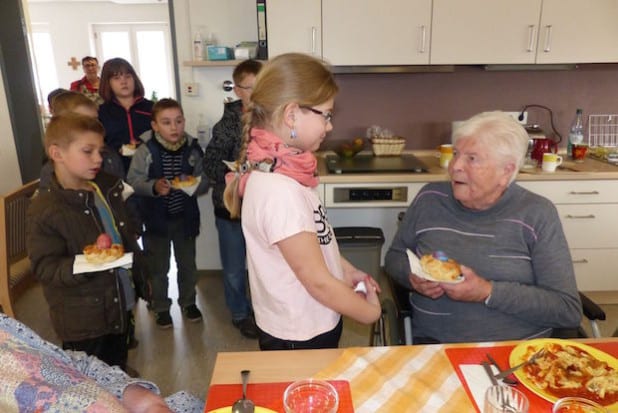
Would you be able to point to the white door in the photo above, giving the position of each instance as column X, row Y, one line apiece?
column 484, row 31
column 294, row 26
column 146, row 46
column 578, row 31
column 369, row 32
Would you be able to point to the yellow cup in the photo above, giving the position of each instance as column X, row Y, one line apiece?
column 446, row 154
column 550, row 162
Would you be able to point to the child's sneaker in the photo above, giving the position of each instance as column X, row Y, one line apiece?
column 164, row 320
column 192, row 313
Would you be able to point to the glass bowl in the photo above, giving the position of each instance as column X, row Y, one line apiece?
column 350, row 148
column 310, row 396
column 577, row 405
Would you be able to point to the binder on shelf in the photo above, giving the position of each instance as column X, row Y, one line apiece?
column 262, row 50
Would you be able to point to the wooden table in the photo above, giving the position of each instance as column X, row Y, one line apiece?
column 272, row 366
column 275, row 366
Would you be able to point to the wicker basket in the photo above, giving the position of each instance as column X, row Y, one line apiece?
column 388, row 146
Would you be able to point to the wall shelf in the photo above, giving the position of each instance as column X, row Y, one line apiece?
column 211, row 63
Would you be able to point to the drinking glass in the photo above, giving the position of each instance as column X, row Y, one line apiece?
column 505, row 399
column 310, row 396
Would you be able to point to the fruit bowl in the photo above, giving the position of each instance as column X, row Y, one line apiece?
column 351, row 148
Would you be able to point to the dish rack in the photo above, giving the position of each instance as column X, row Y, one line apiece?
column 603, row 137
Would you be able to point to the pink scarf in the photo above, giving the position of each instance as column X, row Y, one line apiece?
column 292, row 162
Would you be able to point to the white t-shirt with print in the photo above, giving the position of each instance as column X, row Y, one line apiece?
column 274, row 208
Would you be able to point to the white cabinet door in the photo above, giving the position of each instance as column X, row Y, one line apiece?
column 294, row 26
column 578, row 31
column 484, row 31
column 369, row 32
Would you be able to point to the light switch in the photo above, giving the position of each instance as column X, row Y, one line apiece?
column 191, row 89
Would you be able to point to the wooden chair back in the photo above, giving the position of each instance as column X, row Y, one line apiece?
column 15, row 271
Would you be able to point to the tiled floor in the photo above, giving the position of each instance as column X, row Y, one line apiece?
column 182, row 358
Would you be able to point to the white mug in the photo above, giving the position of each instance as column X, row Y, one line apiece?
column 550, row 162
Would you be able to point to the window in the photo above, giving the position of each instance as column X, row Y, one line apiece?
column 43, row 57
column 146, row 47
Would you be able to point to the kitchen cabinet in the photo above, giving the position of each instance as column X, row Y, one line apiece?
column 587, row 211
column 524, row 32
column 484, row 31
column 365, row 32
column 578, row 31
column 294, row 26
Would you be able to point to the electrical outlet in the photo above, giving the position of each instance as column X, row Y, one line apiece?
column 515, row 115
column 192, row 89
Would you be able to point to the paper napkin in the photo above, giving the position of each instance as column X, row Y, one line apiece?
column 81, row 265
column 417, row 269
column 190, row 190
column 477, row 381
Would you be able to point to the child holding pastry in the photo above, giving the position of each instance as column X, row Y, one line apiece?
column 300, row 284
column 82, row 206
column 165, row 173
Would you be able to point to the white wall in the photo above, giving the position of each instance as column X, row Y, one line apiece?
column 9, row 167
column 69, row 25
column 230, row 22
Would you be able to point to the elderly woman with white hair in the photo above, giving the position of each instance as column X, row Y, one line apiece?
column 518, row 278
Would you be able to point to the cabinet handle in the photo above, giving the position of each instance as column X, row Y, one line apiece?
column 589, row 216
column 547, row 48
column 313, row 33
column 584, row 193
column 423, row 38
column 582, row 261
column 530, row 38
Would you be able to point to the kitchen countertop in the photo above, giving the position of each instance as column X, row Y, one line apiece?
column 590, row 169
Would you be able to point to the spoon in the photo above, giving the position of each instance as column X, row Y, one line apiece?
column 243, row 405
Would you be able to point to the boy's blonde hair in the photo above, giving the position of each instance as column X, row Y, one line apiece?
column 288, row 78
column 69, row 101
column 63, row 130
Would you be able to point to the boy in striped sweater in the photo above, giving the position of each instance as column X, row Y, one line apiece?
column 170, row 212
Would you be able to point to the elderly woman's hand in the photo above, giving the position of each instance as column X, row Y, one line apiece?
column 428, row 288
column 474, row 287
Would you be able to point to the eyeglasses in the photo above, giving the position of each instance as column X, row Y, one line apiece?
column 245, row 87
column 327, row 115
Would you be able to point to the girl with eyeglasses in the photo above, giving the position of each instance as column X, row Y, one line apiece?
column 300, row 284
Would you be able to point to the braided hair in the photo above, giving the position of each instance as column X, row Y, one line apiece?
column 288, row 78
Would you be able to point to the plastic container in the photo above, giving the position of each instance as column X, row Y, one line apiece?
column 198, row 46
column 310, row 396
column 362, row 246
column 577, row 405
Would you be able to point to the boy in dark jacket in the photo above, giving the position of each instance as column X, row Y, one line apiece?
column 89, row 310
column 224, row 146
column 170, row 213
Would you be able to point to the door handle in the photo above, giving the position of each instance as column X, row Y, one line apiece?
column 582, row 261
column 530, row 38
column 589, row 216
column 584, row 193
column 423, row 38
column 547, row 48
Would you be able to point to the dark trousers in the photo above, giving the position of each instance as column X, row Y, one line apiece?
column 157, row 248
column 110, row 348
column 330, row 339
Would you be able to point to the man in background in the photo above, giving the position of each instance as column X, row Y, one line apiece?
column 89, row 84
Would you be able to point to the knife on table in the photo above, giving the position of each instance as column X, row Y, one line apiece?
column 489, row 372
column 506, row 380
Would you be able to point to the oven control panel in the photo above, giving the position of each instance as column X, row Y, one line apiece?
column 372, row 195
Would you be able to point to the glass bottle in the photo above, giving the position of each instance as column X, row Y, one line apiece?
column 576, row 131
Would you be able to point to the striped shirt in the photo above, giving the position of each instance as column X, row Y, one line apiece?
column 172, row 167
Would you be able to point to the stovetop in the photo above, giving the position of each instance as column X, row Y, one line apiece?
column 366, row 163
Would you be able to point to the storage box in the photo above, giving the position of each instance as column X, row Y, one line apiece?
column 245, row 50
column 362, row 246
column 220, row 53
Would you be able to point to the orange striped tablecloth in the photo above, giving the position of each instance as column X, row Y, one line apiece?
column 400, row 379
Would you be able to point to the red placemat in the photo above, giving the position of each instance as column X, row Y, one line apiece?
column 269, row 395
column 474, row 355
